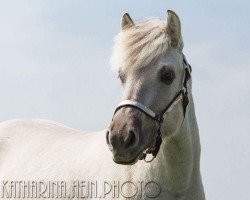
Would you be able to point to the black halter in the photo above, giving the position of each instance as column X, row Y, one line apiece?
column 159, row 117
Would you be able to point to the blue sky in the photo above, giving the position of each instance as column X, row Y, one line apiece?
column 55, row 65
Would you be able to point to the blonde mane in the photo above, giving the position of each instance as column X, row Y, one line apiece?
column 137, row 46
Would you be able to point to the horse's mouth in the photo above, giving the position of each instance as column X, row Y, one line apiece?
column 130, row 162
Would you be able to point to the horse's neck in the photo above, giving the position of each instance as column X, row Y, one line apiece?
column 179, row 157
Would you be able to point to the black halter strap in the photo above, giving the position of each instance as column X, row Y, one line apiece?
column 159, row 117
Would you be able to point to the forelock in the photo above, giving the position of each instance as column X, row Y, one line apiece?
column 137, row 46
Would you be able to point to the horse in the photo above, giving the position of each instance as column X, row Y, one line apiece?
column 151, row 149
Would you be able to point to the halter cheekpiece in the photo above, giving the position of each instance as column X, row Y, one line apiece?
column 159, row 117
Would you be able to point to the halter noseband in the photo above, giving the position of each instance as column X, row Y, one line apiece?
column 159, row 117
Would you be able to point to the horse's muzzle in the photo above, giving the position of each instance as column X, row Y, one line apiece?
column 124, row 138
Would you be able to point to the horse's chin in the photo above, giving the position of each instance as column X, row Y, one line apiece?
column 131, row 162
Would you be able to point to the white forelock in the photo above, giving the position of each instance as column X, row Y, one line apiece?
column 137, row 46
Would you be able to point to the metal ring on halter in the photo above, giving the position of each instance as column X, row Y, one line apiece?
column 148, row 161
column 149, row 151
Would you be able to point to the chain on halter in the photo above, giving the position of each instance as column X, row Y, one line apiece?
column 159, row 117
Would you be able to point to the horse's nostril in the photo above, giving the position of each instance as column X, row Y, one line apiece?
column 107, row 137
column 131, row 139
column 112, row 139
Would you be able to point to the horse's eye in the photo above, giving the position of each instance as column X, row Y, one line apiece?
column 167, row 75
column 122, row 77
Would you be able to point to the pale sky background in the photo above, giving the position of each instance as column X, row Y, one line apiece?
column 54, row 64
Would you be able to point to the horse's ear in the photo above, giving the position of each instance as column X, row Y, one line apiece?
column 173, row 28
column 126, row 21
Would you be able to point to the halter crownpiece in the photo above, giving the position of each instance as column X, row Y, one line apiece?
column 159, row 117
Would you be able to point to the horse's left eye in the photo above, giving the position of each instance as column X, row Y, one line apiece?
column 167, row 75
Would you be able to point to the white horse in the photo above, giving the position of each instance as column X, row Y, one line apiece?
column 40, row 158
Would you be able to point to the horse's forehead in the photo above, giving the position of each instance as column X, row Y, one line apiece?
column 172, row 55
column 171, row 58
